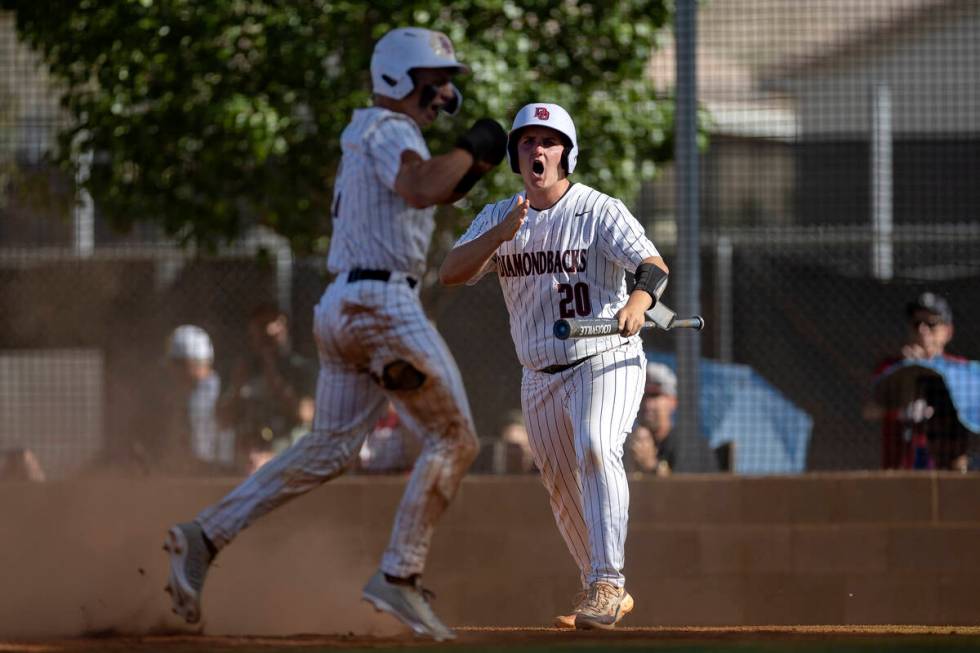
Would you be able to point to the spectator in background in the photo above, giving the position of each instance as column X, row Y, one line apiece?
column 307, row 408
column 270, row 386
column 195, row 441
column 391, row 447
column 919, row 427
column 517, row 457
column 261, row 451
column 20, row 464
column 651, row 447
column 509, row 452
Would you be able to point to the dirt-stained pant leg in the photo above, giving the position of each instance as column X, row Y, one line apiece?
column 374, row 340
column 348, row 403
column 318, row 457
column 544, row 399
column 418, row 373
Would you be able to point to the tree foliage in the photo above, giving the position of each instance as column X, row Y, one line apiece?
column 206, row 117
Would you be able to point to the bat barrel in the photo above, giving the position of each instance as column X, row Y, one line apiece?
column 587, row 327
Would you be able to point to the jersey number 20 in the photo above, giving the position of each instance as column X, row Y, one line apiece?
column 577, row 294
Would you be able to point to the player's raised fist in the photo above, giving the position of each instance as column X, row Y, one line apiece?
column 486, row 140
column 512, row 222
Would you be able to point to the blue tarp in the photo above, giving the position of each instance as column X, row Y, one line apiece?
column 962, row 379
column 769, row 433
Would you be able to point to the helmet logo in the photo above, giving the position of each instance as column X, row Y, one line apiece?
column 541, row 113
column 441, row 44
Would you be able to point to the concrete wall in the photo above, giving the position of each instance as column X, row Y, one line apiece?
column 84, row 557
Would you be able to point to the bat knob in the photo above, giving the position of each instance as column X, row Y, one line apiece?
column 562, row 329
column 700, row 322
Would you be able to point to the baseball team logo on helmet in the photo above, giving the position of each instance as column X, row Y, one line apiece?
column 546, row 115
column 441, row 45
column 404, row 48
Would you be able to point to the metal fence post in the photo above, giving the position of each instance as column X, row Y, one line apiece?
column 881, row 182
column 687, row 269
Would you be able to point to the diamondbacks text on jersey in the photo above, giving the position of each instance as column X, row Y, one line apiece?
column 566, row 261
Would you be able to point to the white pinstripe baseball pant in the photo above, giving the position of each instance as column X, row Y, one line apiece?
column 360, row 328
column 577, row 423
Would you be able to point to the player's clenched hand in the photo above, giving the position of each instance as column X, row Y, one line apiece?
column 508, row 227
column 631, row 318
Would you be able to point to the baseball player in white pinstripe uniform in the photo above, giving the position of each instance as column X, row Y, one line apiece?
column 561, row 250
column 374, row 340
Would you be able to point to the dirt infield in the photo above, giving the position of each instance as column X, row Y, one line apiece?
column 762, row 639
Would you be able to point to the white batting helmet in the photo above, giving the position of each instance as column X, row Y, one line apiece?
column 405, row 48
column 545, row 115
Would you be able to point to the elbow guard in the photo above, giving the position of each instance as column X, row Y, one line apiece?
column 650, row 278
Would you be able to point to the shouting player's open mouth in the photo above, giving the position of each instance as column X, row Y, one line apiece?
column 538, row 167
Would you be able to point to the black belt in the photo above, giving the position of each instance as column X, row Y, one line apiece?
column 555, row 369
column 358, row 274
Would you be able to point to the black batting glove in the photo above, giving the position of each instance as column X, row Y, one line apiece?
column 486, row 140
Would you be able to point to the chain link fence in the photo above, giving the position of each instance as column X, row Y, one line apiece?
column 838, row 182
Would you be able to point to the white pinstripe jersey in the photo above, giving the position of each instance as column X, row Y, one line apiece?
column 566, row 261
column 373, row 226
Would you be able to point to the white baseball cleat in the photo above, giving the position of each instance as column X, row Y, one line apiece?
column 407, row 603
column 567, row 621
column 603, row 607
column 189, row 562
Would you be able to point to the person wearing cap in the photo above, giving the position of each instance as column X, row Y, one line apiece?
column 930, row 321
column 562, row 249
column 921, row 431
column 652, row 447
column 196, row 441
column 649, row 446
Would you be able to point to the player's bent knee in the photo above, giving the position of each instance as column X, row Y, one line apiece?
column 459, row 444
column 469, row 448
column 592, row 459
column 401, row 375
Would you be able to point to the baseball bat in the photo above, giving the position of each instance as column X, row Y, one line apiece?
column 660, row 316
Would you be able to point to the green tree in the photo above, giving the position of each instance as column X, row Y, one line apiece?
column 206, row 117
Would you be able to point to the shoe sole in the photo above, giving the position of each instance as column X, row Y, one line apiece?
column 625, row 607
column 565, row 621
column 186, row 602
column 418, row 628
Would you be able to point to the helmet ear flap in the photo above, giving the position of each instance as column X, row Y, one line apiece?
column 567, row 143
